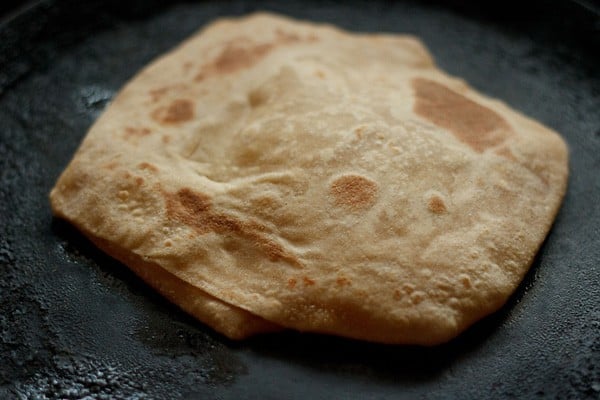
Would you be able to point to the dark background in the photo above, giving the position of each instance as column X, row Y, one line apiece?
column 74, row 323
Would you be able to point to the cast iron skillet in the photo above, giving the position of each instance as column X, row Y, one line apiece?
column 75, row 323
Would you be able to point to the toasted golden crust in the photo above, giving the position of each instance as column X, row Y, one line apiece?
column 316, row 179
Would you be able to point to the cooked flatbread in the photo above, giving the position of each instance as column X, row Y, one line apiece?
column 222, row 317
column 269, row 174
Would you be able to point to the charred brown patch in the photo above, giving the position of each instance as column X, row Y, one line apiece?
column 342, row 281
column 307, row 281
column 111, row 165
column 133, row 132
column 506, row 153
column 311, row 38
column 473, row 124
column 238, row 54
column 148, row 166
column 234, row 57
column 359, row 132
column 157, row 94
column 195, row 210
column 466, row 281
column 180, row 110
column 353, row 192
column 287, row 37
column 436, row 205
column 257, row 97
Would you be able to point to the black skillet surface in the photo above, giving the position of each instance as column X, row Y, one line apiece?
column 74, row 323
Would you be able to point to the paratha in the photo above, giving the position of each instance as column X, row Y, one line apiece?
column 301, row 176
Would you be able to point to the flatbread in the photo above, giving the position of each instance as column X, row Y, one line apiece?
column 229, row 320
column 305, row 177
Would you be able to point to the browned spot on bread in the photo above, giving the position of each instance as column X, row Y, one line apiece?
column 136, row 132
column 354, row 192
column 436, row 205
column 156, row 94
column 139, row 181
column 148, row 166
column 237, row 54
column 234, row 57
column 359, row 132
column 257, row 98
column 291, row 283
column 320, row 74
column 123, row 195
column 342, row 281
column 408, row 288
column 466, row 281
column 397, row 295
column 110, row 165
column 195, row 210
column 189, row 208
column 473, row 124
column 194, row 203
column 180, row 110
column 506, row 153
column 166, row 139
column 417, row 297
column 307, row 281
column 287, row 36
